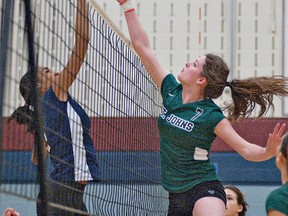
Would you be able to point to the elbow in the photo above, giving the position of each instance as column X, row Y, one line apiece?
column 254, row 155
column 140, row 42
column 82, row 38
column 246, row 154
column 81, row 48
column 85, row 36
column 137, row 45
column 141, row 48
column 82, row 33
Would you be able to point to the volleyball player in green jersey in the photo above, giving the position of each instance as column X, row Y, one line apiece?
column 190, row 122
column 277, row 201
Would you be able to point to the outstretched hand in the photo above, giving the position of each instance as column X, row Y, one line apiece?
column 274, row 139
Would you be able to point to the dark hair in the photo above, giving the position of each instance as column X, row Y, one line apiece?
column 25, row 114
column 246, row 93
column 241, row 198
column 284, row 147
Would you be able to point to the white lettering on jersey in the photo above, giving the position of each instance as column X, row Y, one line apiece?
column 163, row 113
column 180, row 123
column 199, row 112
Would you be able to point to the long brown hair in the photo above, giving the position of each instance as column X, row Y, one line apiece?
column 246, row 93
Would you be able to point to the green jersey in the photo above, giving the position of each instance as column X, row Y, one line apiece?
column 186, row 136
column 278, row 200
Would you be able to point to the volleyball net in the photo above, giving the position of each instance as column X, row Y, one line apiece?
column 113, row 88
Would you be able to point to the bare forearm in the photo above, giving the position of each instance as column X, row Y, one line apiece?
column 256, row 153
column 78, row 52
column 141, row 44
column 247, row 150
column 82, row 22
column 137, row 33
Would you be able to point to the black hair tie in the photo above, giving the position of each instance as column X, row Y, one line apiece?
column 228, row 84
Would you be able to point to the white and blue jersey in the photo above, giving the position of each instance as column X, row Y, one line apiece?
column 71, row 148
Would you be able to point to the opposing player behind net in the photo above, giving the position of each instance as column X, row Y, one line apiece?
column 66, row 125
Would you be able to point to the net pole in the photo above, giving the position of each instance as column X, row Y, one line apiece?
column 5, row 30
column 39, row 131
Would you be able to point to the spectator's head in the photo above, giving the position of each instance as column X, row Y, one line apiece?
column 282, row 155
column 236, row 201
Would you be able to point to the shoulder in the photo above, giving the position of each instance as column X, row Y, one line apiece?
column 169, row 83
column 171, row 88
column 280, row 192
column 215, row 111
column 277, row 199
column 273, row 195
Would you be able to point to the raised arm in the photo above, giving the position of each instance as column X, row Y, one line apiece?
column 247, row 150
column 141, row 44
column 65, row 78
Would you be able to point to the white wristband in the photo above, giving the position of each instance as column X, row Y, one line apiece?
column 127, row 6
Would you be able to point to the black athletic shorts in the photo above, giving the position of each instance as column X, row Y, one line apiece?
column 183, row 203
